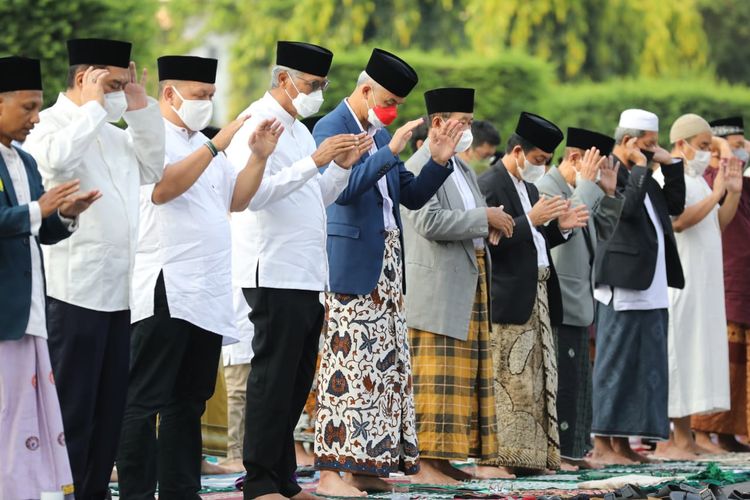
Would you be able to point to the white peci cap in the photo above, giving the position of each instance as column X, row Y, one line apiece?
column 639, row 119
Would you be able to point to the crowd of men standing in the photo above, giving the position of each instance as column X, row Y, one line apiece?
column 126, row 275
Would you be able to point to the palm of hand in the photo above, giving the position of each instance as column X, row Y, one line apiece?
column 263, row 143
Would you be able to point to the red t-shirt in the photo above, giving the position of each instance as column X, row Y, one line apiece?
column 736, row 245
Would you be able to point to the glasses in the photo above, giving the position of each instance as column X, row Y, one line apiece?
column 316, row 85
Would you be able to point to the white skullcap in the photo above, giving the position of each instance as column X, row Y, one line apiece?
column 688, row 126
column 639, row 119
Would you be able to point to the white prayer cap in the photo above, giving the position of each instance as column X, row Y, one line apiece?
column 639, row 119
column 688, row 126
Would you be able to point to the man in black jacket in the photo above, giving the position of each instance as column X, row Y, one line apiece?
column 522, row 278
column 633, row 270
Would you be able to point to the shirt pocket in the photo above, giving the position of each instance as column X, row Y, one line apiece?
column 344, row 230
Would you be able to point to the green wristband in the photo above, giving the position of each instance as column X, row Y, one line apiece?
column 212, row 147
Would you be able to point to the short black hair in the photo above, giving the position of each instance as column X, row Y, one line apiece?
column 516, row 140
column 420, row 133
column 75, row 69
column 484, row 132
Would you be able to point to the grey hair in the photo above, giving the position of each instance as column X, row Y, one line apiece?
column 621, row 132
column 277, row 70
column 365, row 79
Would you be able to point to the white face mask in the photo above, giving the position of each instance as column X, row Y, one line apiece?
column 530, row 172
column 465, row 141
column 306, row 104
column 115, row 104
column 699, row 163
column 195, row 113
column 741, row 154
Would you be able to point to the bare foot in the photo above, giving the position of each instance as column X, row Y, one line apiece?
column 430, row 472
column 304, row 458
column 492, row 472
column 668, row 450
column 234, row 465
column 210, row 469
column 622, row 447
column 332, row 485
column 581, row 463
column 451, row 471
column 113, row 476
column 271, row 496
column 567, row 466
column 703, row 440
column 610, row 457
column 369, row 483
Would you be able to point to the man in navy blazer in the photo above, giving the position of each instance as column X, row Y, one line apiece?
column 366, row 334
column 30, row 419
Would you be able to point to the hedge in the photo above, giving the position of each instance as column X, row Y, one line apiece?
column 598, row 105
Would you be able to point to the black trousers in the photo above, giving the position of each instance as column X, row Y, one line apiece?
column 285, row 346
column 574, row 390
column 172, row 374
column 90, row 352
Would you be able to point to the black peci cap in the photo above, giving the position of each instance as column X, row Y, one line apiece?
column 586, row 139
column 99, row 52
column 391, row 72
column 734, row 125
column 187, row 68
column 449, row 100
column 539, row 131
column 304, row 57
column 20, row 73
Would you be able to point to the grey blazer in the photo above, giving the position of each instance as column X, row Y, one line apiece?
column 574, row 260
column 441, row 263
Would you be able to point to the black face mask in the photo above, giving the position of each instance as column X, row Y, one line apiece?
column 648, row 154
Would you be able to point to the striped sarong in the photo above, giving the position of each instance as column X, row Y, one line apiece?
column 454, row 395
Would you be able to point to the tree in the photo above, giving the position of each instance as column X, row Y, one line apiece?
column 594, row 38
column 727, row 25
column 40, row 28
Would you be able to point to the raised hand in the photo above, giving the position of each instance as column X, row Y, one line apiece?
column 501, row 221
column 52, row 199
column 661, row 156
column 590, row 164
column 135, row 91
column 402, row 135
column 77, row 203
column 547, row 209
column 352, row 156
column 224, row 137
column 335, row 146
column 608, row 177
column 443, row 142
column 573, row 218
column 633, row 154
column 733, row 175
column 92, row 85
column 720, row 184
column 264, row 138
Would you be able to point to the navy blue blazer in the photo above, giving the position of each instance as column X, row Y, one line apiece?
column 15, row 251
column 356, row 233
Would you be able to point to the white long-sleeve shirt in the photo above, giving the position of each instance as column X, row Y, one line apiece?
column 284, row 238
column 93, row 268
column 189, row 240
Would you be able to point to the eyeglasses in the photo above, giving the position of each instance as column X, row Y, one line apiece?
column 316, row 85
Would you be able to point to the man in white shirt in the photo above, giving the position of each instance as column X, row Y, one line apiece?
column 183, row 301
column 633, row 269
column 90, row 273
column 283, row 262
column 34, row 457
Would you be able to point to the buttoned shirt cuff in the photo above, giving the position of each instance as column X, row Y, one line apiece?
column 35, row 217
column 566, row 233
column 70, row 224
